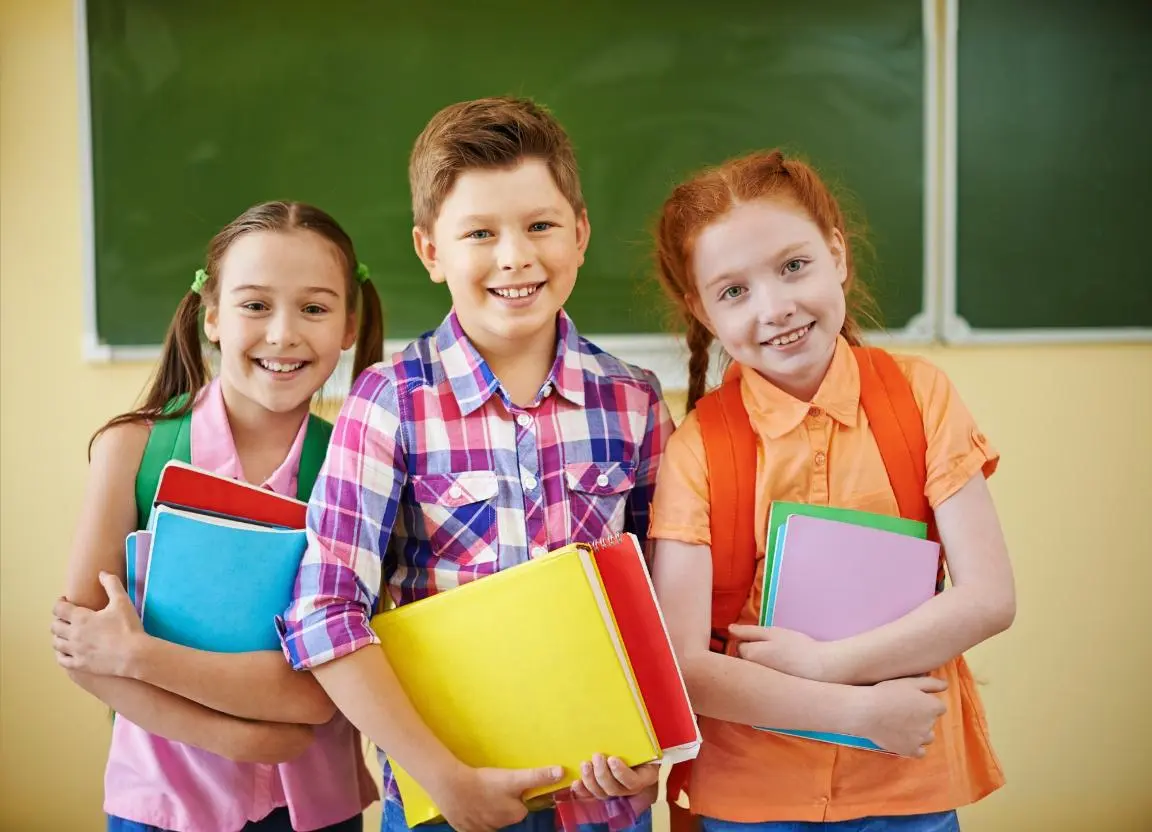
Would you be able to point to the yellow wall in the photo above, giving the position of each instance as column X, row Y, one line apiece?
column 1067, row 701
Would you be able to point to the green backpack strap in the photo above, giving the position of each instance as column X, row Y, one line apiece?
column 312, row 454
column 169, row 439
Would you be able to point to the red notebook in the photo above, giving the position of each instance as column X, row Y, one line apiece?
column 628, row 585
column 187, row 487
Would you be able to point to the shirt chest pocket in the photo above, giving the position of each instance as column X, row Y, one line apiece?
column 598, row 496
column 458, row 511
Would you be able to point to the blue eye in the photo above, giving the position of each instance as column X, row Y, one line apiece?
column 479, row 234
column 541, row 226
column 732, row 292
column 793, row 266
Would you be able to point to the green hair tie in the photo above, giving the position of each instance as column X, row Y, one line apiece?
column 199, row 281
column 362, row 273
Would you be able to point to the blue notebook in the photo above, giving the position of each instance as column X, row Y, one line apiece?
column 217, row 584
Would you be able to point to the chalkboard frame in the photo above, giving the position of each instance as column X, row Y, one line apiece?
column 664, row 354
column 955, row 329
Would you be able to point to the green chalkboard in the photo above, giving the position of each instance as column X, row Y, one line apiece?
column 200, row 108
column 1054, row 164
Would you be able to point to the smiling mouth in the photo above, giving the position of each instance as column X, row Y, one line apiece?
column 280, row 366
column 517, row 292
column 790, row 337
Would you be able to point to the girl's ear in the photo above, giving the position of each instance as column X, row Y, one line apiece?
column 839, row 251
column 351, row 330
column 698, row 311
column 212, row 323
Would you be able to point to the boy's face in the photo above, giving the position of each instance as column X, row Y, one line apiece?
column 508, row 244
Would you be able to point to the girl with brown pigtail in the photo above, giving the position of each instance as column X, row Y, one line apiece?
column 210, row 741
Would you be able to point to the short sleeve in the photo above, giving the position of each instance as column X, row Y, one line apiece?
column 957, row 449
column 680, row 508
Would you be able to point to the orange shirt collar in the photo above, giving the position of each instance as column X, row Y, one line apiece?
column 776, row 413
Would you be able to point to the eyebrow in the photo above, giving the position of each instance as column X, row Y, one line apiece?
column 782, row 254
column 484, row 219
column 259, row 287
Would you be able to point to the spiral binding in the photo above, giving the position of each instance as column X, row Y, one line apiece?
column 608, row 541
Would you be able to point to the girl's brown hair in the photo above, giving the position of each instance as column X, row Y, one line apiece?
column 183, row 369
column 710, row 195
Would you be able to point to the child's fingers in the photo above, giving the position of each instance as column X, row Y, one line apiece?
column 63, row 609
column 580, row 791
column 113, row 587
column 60, row 627
column 62, row 647
column 591, row 783
column 634, row 779
column 604, row 776
column 750, row 632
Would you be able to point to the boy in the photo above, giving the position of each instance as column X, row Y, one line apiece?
column 496, row 438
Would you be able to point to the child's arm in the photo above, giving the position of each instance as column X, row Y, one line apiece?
column 255, row 685
column 327, row 628
column 896, row 715
column 108, row 514
column 980, row 603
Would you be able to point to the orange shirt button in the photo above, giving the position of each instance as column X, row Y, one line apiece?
column 820, row 458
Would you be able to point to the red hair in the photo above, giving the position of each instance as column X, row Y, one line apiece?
column 711, row 194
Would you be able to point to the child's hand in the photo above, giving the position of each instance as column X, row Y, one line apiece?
column 101, row 642
column 787, row 651
column 484, row 799
column 606, row 777
column 898, row 715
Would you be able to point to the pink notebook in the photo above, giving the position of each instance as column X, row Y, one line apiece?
column 833, row 580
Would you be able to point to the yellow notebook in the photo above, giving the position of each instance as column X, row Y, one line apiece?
column 520, row 669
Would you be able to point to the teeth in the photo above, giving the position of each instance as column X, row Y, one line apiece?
column 277, row 367
column 789, row 339
column 522, row 292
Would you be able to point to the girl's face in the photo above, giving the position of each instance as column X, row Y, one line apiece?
column 281, row 319
column 770, row 288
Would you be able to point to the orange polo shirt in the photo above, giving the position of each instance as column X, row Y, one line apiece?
column 823, row 453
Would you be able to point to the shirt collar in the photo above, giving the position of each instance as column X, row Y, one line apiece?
column 214, row 449
column 777, row 413
column 473, row 382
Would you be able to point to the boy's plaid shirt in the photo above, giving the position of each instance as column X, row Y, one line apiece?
column 434, row 478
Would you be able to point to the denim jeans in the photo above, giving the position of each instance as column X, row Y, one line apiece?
column 392, row 820
column 936, row 822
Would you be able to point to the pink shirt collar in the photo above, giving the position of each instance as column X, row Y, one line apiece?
column 214, row 449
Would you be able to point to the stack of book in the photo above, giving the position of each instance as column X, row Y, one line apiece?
column 832, row 573
column 217, row 562
column 543, row 664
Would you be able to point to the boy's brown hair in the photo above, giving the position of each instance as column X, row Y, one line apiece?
column 487, row 133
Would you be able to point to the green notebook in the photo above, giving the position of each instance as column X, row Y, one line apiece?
column 779, row 513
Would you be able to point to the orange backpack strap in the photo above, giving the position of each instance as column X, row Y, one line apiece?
column 730, row 452
column 898, row 427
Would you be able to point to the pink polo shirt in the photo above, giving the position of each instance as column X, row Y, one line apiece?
column 186, row 789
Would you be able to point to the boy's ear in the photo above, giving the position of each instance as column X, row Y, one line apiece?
column 699, row 313
column 583, row 234
column 212, row 324
column 426, row 251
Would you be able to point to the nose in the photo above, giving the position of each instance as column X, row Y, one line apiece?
column 282, row 330
column 514, row 253
column 776, row 304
